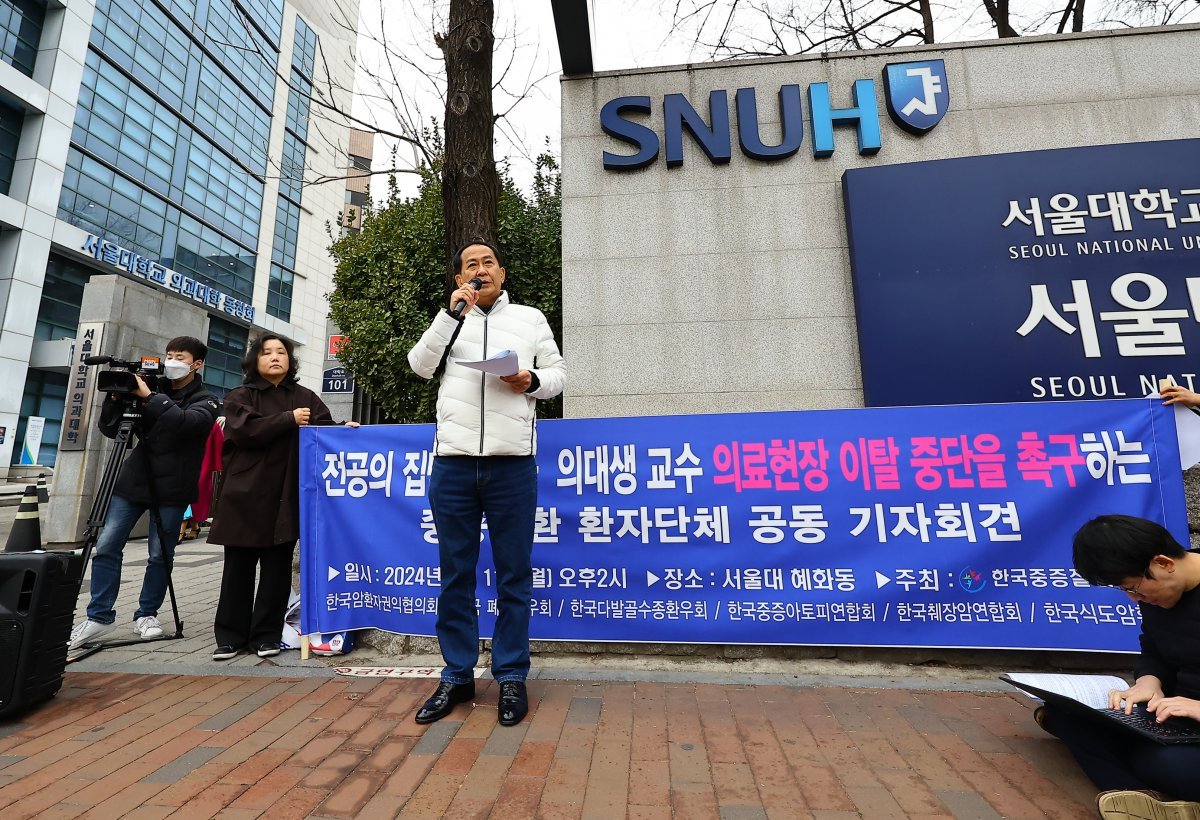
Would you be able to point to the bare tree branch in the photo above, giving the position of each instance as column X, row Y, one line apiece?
column 755, row 28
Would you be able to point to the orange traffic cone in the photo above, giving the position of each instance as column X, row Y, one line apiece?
column 26, row 532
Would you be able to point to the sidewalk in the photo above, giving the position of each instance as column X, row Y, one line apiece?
column 196, row 576
column 119, row 745
column 11, row 495
column 160, row 729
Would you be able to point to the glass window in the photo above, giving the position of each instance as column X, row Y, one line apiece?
column 279, row 292
column 242, row 48
column 291, row 168
column 223, row 193
column 21, row 32
column 226, row 347
column 62, row 294
column 304, row 48
column 212, row 259
column 135, row 39
column 112, row 206
column 235, row 123
column 45, row 395
column 287, row 229
column 11, row 121
column 267, row 15
column 299, row 104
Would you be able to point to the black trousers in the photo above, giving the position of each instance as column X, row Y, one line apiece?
column 1115, row 759
column 247, row 619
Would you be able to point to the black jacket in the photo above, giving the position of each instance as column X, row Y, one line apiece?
column 260, row 497
column 171, row 435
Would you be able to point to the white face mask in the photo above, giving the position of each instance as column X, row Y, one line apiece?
column 175, row 370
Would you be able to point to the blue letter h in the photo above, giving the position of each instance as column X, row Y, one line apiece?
column 865, row 114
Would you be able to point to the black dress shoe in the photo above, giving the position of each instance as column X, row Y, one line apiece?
column 444, row 699
column 514, row 702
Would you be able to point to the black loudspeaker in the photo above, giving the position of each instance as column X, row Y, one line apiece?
column 38, row 591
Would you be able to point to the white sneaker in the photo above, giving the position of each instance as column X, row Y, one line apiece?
column 148, row 627
column 88, row 632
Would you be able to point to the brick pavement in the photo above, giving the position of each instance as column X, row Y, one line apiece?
column 125, row 745
column 286, row 738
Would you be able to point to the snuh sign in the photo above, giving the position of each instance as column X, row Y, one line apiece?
column 917, row 94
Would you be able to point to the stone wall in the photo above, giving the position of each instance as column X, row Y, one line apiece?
column 726, row 288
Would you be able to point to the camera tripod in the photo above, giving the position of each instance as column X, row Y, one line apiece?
column 122, row 442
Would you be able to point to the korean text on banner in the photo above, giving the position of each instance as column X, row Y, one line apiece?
column 944, row 526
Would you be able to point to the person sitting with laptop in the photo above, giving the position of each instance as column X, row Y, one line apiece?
column 1142, row 778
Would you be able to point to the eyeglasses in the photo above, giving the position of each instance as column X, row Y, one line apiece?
column 1135, row 590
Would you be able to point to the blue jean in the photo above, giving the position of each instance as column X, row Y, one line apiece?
column 110, row 545
column 462, row 489
column 1115, row 759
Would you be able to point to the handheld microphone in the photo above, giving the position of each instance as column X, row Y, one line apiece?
column 462, row 303
column 94, row 360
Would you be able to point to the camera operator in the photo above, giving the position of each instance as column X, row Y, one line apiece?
column 176, row 414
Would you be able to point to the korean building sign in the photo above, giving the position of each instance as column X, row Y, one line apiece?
column 337, row 380
column 917, row 96
column 1064, row 274
column 81, row 386
column 915, row 526
column 145, row 268
column 335, row 346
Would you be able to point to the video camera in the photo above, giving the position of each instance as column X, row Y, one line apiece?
column 120, row 378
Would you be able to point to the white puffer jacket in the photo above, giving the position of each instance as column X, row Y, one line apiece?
column 477, row 414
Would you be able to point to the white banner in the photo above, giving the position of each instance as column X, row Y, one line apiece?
column 32, row 447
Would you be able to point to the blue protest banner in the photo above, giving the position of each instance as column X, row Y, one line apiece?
column 941, row 526
column 1033, row 276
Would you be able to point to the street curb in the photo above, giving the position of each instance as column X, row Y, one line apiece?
column 205, row 670
column 768, row 679
column 269, row 670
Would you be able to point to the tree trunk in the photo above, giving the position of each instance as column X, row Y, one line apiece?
column 927, row 21
column 998, row 11
column 469, row 182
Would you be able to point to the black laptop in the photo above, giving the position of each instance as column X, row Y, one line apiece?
column 1139, row 721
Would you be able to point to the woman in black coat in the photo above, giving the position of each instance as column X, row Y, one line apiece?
column 258, row 511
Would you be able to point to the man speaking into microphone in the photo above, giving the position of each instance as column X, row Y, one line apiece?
column 484, row 465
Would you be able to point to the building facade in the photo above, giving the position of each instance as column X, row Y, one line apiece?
column 177, row 144
column 360, row 155
column 716, row 193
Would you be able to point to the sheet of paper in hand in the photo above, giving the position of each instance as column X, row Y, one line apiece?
column 503, row 363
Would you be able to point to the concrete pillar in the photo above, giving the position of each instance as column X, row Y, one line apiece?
column 138, row 321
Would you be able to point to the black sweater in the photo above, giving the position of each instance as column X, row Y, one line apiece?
column 1171, row 645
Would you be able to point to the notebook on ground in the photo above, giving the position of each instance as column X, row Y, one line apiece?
column 1089, row 700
